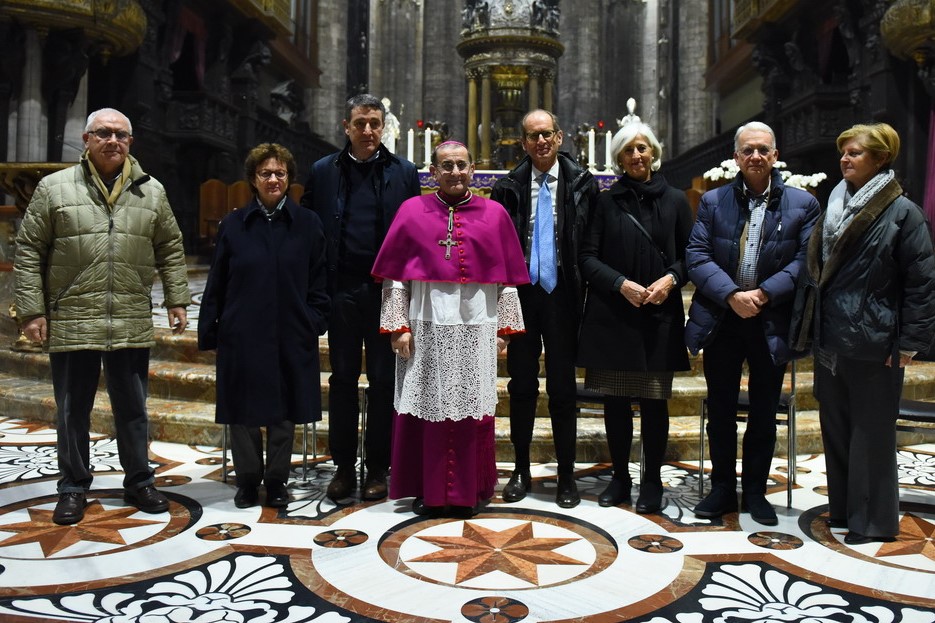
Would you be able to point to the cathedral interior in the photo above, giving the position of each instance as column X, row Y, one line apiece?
column 203, row 82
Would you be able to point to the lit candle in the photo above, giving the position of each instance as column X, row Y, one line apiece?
column 410, row 144
column 591, row 148
column 608, row 163
column 428, row 148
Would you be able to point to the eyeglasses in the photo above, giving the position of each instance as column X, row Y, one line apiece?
column 748, row 151
column 546, row 134
column 265, row 175
column 448, row 166
column 104, row 134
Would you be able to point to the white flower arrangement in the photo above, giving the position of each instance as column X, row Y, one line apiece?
column 729, row 169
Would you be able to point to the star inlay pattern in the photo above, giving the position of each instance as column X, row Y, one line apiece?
column 514, row 551
column 99, row 525
column 916, row 536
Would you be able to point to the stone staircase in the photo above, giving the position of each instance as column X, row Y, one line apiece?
column 182, row 392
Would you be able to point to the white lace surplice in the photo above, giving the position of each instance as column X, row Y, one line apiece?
column 452, row 373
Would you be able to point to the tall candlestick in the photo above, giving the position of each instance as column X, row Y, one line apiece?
column 608, row 163
column 410, row 144
column 591, row 148
column 428, row 148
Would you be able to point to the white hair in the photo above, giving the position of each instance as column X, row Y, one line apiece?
column 753, row 125
column 94, row 115
column 625, row 136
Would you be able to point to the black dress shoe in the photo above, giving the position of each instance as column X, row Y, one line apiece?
column 245, row 497
column 517, row 486
column 856, row 538
column 374, row 485
column 834, row 522
column 147, row 499
column 343, row 484
column 760, row 509
column 566, row 496
column 70, row 508
column 719, row 502
column 650, row 499
column 419, row 507
column 616, row 492
column 277, row 495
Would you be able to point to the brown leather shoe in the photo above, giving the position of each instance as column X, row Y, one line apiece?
column 343, row 484
column 374, row 485
column 147, row 499
column 70, row 508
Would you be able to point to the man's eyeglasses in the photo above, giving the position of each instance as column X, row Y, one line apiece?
column 546, row 134
column 265, row 175
column 104, row 134
column 748, row 151
column 448, row 166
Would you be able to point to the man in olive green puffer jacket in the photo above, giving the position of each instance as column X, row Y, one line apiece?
column 90, row 241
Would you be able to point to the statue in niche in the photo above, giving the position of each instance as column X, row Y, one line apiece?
column 390, row 127
column 217, row 78
column 848, row 34
column 538, row 14
column 286, row 101
column 467, row 14
column 552, row 14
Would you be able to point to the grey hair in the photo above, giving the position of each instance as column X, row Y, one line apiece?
column 94, row 115
column 363, row 100
column 753, row 125
column 625, row 136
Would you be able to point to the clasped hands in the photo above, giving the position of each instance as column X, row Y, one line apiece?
column 655, row 294
column 747, row 304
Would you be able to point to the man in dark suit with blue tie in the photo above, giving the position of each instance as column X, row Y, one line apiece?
column 549, row 197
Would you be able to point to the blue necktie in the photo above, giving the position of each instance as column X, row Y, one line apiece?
column 542, row 268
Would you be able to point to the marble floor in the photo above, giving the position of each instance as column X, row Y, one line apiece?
column 315, row 561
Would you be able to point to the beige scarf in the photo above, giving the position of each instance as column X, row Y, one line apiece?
column 122, row 180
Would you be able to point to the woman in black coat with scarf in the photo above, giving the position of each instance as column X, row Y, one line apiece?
column 631, row 340
column 263, row 308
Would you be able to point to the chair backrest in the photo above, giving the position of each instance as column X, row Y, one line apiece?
column 212, row 206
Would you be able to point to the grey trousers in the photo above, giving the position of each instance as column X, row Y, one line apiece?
column 858, row 410
column 75, row 376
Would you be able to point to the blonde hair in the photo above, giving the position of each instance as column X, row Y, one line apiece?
column 880, row 139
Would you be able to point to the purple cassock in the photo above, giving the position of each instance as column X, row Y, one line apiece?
column 445, row 268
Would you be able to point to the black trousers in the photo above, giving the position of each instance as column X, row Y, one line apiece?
column 550, row 319
column 75, row 376
column 859, row 405
column 355, row 325
column 740, row 340
column 247, row 450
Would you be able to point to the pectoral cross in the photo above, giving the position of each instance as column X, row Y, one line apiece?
column 448, row 242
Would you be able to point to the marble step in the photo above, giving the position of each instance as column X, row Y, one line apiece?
column 183, row 379
column 192, row 422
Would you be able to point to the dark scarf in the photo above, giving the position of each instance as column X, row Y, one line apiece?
column 653, row 188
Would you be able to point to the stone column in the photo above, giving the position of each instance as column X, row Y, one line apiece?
column 72, row 147
column 31, row 123
column 472, row 112
column 547, row 101
column 485, row 118
column 533, row 89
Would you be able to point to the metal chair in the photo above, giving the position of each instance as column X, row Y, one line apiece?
column 786, row 405
column 225, row 444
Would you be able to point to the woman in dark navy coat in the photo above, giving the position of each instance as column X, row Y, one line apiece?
column 264, row 306
column 631, row 340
